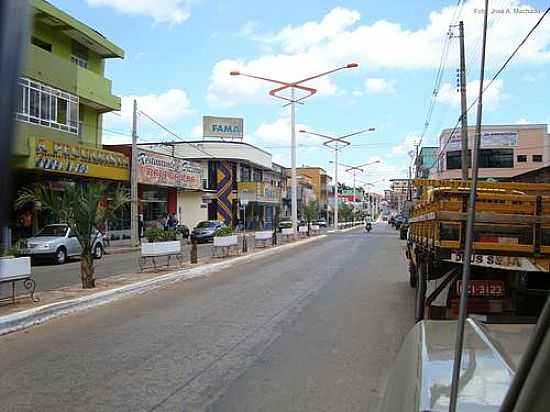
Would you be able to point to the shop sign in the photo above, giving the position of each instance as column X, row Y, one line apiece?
column 488, row 139
column 222, row 127
column 75, row 159
column 162, row 170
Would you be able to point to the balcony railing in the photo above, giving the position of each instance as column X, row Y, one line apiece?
column 259, row 192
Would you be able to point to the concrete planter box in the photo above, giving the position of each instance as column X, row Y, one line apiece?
column 15, row 268
column 224, row 241
column 302, row 229
column 153, row 249
column 265, row 235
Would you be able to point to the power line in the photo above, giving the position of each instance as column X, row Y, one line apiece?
column 194, row 146
column 499, row 71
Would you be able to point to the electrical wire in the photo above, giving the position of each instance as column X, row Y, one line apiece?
column 194, row 146
column 495, row 76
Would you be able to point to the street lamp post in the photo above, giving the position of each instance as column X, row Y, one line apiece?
column 336, row 144
column 367, row 184
column 354, row 170
column 292, row 102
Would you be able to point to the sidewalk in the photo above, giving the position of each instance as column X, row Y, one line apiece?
column 59, row 302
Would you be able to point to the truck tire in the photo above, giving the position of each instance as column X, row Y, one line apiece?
column 420, row 291
column 412, row 275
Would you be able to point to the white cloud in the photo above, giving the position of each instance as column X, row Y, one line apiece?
column 338, row 38
column 161, row 11
column 522, row 121
column 491, row 97
column 166, row 108
column 377, row 85
column 196, row 132
column 299, row 39
column 405, row 146
column 278, row 132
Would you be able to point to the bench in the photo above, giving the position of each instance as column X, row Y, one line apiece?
column 315, row 229
column 223, row 246
column 13, row 270
column 287, row 234
column 262, row 238
column 302, row 231
column 155, row 250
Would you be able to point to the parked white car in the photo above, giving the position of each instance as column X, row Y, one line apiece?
column 59, row 242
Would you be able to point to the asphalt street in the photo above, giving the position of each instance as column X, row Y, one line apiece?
column 314, row 328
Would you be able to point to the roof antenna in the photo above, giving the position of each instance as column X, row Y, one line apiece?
column 469, row 230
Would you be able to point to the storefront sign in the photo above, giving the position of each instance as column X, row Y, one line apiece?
column 488, row 139
column 76, row 159
column 222, row 127
column 162, row 170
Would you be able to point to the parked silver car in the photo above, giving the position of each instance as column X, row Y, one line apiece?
column 59, row 242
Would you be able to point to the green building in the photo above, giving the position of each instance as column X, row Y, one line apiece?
column 61, row 97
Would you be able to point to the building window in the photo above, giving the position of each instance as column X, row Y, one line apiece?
column 46, row 106
column 258, row 175
column 488, row 159
column 454, row 160
column 80, row 54
column 522, row 158
column 496, row 158
column 537, row 158
column 79, row 61
column 42, row 44
column 245, row 173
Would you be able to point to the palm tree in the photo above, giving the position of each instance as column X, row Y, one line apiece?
column 81, row 206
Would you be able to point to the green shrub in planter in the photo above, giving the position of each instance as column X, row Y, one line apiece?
column 160, row 235
column 223, row 231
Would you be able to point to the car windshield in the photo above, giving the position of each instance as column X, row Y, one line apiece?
column 53, row 230
column 203, row 225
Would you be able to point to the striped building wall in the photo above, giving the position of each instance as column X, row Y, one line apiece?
column 224, row 196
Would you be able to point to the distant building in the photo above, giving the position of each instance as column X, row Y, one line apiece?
column 427, row 162
column 505, row 151
column 321, row 183
column 399, row 193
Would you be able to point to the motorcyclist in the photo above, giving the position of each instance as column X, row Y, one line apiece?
column 368, row 225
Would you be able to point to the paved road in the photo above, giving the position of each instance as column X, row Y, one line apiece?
column 51, row 276
column 312, row 329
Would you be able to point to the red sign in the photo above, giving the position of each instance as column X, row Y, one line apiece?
column 161, row 170
column 492, row 288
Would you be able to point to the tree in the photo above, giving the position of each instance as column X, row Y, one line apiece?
column 345, row 212
column 311, row 211
column 83, row 207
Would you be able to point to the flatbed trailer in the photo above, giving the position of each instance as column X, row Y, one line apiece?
column 510, row 264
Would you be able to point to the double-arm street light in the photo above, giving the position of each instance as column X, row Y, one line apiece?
column 336, row 144
column 292, row 100
column 367, row 184
column 354, row 170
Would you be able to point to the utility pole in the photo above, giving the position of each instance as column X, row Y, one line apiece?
column 336, row 187
column 471, row 216
column 134, row 183
column 463, row 102
column 294, row 197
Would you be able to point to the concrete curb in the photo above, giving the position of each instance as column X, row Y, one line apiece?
column 121, row 250
column 35, row 316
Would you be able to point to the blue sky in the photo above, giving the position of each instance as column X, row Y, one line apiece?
column 179, row 54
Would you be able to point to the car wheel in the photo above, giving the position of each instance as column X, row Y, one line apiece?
column 98, row 251
column 60, row 256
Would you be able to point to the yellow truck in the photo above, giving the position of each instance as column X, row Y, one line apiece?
column 510, row 276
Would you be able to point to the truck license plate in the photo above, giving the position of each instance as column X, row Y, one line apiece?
column 493, row 288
